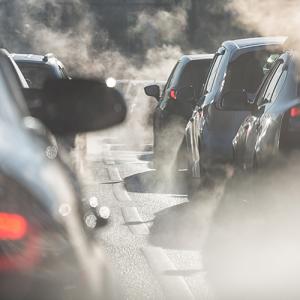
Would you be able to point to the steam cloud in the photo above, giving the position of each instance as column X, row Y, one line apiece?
column 70, row 30
column 269, row 17
column 88, row 49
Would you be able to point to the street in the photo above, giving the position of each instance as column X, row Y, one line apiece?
column 150, row 240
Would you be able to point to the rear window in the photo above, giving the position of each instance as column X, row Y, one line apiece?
column 194, row 73
column 248, row 71
column 36, row 74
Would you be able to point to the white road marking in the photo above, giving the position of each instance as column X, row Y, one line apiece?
column 120, row 192
column 114, row 174
column 108, row 158
column 175, row 287
column 135, row 222
column 118, row 189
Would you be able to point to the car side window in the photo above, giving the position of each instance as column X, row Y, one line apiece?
column 279, row 86
column 269, row 83
column 213, row 72
column 273, row 88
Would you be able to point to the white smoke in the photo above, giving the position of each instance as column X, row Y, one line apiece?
column 280, row 17
column 88, row 50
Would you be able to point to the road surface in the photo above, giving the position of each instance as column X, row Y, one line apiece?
column 153, row 239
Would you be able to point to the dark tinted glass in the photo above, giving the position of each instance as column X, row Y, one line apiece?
column 36, row 74
column 269, row 83
column 276, row 85
column 194, row 74
column 246, row 72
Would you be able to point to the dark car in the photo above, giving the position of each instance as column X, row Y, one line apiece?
column 236, row 73
column 274, row 123
column 38, row 68
column 46, row 249
column 176, row 104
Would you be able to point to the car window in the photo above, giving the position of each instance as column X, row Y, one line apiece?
column 278, row 86
column 268, row 96
column 246, row 72
column 36, row 74
column 194, row 74
column 270, row 62
column 213, row 72
column 269, row 84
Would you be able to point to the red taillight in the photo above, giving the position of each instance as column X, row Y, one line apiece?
column 173, row 94
column 19, row 243
column 295, row 112
column 12, row 226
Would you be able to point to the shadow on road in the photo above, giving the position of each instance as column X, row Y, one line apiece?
column 177, row 227
column 154, row 182
column 186, row 225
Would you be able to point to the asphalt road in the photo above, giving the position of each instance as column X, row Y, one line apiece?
column 153, row 239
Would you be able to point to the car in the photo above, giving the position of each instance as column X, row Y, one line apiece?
column 236, row 73
column 38, row 68
column 273, row 127
column 47, row 250
column 175, row 106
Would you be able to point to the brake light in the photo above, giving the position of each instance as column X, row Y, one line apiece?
column 19, row 243
column 173, row 94
column 295, row 112
column 12, row 226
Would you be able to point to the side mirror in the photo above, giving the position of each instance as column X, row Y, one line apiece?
column 235, row 100
column 75, row 106
column 186, row 94
column 152, row 91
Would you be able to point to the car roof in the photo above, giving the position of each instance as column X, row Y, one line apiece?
column 197, row 57
column 255, row 42
column 34, row 58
